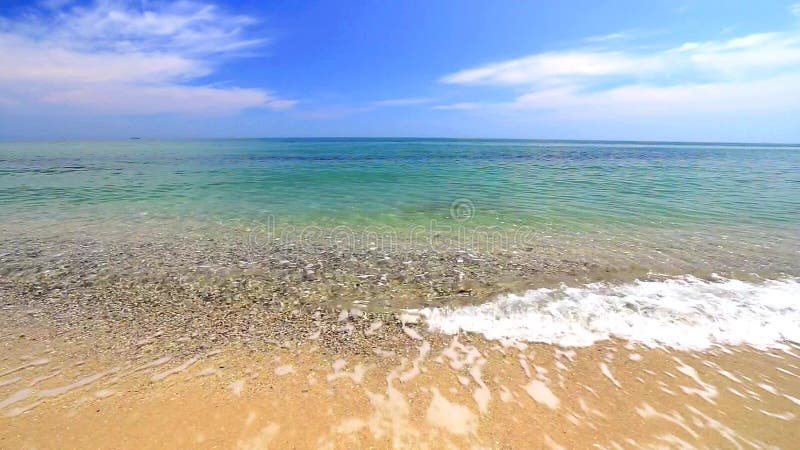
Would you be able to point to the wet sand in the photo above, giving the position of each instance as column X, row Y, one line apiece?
column 417, row 390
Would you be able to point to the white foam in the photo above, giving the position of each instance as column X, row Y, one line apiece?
column 684, row 313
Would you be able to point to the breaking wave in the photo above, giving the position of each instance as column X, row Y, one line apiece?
column 684, row 313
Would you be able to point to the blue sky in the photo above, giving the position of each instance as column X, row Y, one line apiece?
column 655, row 70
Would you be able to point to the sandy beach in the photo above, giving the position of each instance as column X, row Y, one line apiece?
column 418, row 390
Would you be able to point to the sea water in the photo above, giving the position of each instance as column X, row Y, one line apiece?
column 718, row 225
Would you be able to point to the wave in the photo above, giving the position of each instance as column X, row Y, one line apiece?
column 684, row 313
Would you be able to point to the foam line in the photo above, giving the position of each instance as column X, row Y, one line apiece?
column 683, row 313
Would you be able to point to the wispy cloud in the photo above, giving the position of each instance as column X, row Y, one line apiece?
column 609, row 37
column 741, row 57
column 751, row 73
column 768, row 95
column 338, row 111
column 459, row 106
column 127, row 58
column 551, row 67
column 411, row 101
column 795, row 9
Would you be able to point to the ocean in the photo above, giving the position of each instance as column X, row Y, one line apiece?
column 570, row 186
column 667, row 225
column 404, row 293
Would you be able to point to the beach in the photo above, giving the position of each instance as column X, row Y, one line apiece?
column 399, row 294
column 411, row 392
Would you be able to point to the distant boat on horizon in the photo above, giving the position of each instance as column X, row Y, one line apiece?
column 135, row 137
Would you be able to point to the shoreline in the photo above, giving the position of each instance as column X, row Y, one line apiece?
column 207, row 341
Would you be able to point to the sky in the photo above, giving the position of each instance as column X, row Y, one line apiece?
column 619, row 70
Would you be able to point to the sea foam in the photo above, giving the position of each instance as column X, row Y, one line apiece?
column 685, row 313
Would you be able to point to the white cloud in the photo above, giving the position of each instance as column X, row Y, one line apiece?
column 24, row 60
column 112, row 98
column 771, row 95
column 750, row 56
column 185, row 26
column 738, row 57
column 550, row 67
column 795, row 9
column 751, row 74
column 123, row 58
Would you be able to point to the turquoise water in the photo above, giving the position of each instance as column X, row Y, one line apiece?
column 679, row 244
column 572, row 185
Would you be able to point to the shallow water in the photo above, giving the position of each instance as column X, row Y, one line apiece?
column 734, row 201
column 408, row 223
column 378, row 181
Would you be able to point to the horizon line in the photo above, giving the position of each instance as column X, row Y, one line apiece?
column 137, row 138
